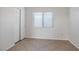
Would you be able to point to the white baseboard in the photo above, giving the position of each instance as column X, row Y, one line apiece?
column 74, row 44
column 10, row 46
column 46, row 38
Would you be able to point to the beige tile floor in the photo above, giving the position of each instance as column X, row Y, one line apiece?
column 43, row 45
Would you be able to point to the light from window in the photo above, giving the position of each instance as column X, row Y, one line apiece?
column 47, row 19
column 43, row 19
column 38, row 19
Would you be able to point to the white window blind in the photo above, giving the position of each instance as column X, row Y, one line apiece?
column 37, row 19
column 43, row 19
column 48, row 19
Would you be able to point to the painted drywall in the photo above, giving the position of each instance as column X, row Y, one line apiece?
column 10, row 26
column 9, row 31
column 74, row 28
column 60, row 26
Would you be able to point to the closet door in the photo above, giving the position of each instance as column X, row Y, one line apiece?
column 17, row 25
column 22, row 22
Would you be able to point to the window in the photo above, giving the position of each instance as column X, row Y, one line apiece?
column 47, row 19
column 43, row 19
column 38, row 19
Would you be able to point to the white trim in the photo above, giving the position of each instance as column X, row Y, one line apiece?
column 74, row 44
column 10, row 46
column 47, row 38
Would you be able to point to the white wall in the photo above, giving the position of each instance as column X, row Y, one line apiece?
column 9, row 27
column 7, row 16
column 74, row 26
column 60, row 29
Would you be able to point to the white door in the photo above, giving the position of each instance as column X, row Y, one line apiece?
column 19, row 24
column 22, row 23
column 16, row 25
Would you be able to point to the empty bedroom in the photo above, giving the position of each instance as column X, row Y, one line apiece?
column 39, row 29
